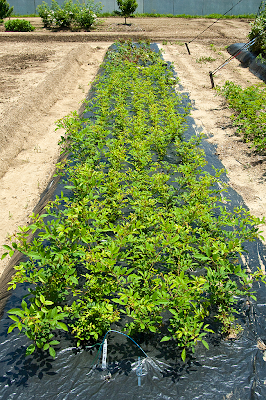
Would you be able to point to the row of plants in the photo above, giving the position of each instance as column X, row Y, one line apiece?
column 18, row 25
column 79, row 15
column 248, row 116
column 14, row 25
column 144, row 234
column 71, row 15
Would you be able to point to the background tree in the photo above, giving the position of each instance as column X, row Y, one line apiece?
column 127, row 7
column 5, row 9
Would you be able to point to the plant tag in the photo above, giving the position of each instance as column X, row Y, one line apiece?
column 104, row 354
column 139, row 372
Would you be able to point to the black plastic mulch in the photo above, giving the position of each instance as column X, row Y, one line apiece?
column 230, row 369
column 248, row 60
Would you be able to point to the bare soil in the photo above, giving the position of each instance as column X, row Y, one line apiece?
column 45, row 75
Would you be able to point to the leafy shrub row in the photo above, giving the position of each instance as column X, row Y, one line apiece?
column 249, row 112
column 18, row 25
column 72, row 14
column 144, row 232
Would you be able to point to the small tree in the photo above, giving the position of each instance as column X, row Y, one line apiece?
column 127, row 7
column 5, row 9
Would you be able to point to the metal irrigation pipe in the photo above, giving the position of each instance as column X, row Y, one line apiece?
column 210, row 26
column 246, row 46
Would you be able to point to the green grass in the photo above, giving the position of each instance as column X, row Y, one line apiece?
column 157, row 15
column 24, row 15
column 205, row 59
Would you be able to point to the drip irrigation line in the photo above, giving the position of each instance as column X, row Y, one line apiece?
column 236, row 53
column 210, row 26
column 90, row 347
column 245, row 47
column 121, row 333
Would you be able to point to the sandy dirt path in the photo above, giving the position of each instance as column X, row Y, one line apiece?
column 45, row 75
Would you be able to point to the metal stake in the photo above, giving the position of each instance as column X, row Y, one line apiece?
column 211, row 78
column 187, row 48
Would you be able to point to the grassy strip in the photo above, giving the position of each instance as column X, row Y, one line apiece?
column 249, row 112
column 143, row 232
column 156, row 15
column 13, row 15
column 187, row 16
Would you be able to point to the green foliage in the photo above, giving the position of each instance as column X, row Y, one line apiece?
column 18, row 25
column 249, row 111
column 24, row 15
column 140, row 227
column 258, row 28
column 188, row 16
column 205, row 59
column 37, row 322
column 127, row 7
column 5, row 9
column 71, row 15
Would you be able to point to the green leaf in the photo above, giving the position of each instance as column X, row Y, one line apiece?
column 62, row 326
column 53, row 312
column 39, row 344
column 253, row 297
column 16, row 311
column 4, row 256
column 166, row 338
column 183, row 355
column 42, row 298
column 48, row 302
column 119, row 301
column 10, row 329
column 161, row 301
column 201, row 257
column 14, row 318
column 52, row 352
column 37, row 302
column 205, row 344
column 30, row 349
column 46, row 346
column 7, row 247
column 54, row 342
column 34, row 255
column 74, row 280
column 24, row 305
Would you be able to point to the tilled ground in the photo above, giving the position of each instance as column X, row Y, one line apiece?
column 44, row 75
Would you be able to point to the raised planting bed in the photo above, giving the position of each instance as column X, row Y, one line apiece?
column 147, row 244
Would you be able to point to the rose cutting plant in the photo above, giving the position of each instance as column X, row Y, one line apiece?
column 73, row 14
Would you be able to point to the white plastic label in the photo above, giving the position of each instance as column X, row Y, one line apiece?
column 104, row 354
